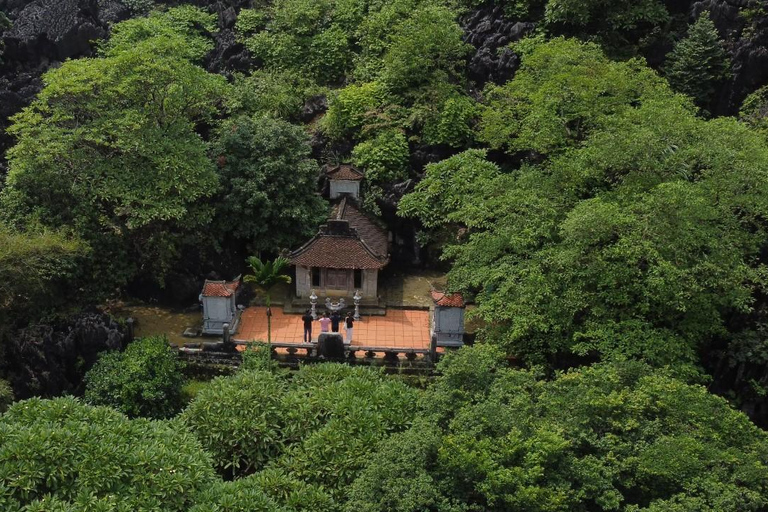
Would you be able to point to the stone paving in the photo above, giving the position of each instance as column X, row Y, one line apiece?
column 399, row 328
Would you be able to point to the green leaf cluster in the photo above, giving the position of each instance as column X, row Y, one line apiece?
column 144, row 380
column 63, row 455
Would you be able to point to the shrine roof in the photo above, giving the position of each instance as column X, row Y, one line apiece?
column 337, row 251
column 220, row 288
column 350, row 240
column 344, row 172
column 448, row 300
column 367, row 229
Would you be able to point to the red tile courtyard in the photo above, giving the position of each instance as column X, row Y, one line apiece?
column 399, row 328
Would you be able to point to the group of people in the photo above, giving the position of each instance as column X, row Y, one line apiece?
column 328, row 324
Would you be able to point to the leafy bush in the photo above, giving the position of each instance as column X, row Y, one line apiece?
column 267, row 491
column 354, row 108
column 279, row 94
column 426, row 48
column 563, row 91
column 384, row 158
column 144, row 380
column 454, row 123
column 318, row 426
column 242, row 421
column 63, row 455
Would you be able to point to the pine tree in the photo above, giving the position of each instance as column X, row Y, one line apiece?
column 698, row 62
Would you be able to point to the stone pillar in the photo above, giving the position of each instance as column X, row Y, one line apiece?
column 129, row 332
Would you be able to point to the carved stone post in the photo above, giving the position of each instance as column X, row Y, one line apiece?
column 129, row 330
column 313, row 303
column 357, row 298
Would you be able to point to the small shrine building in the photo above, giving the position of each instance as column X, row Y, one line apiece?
column 348, row 251
column 219, row 306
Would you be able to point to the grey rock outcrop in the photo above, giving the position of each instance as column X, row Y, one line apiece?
column 491, row 33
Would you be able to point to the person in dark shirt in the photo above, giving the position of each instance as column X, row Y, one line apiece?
column 349, row 322
column 307, row 326
column 335, row 319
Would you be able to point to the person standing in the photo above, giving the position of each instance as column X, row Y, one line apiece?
column 335, row 319
column 307, row 326
column 349, row 323
column 324, row 323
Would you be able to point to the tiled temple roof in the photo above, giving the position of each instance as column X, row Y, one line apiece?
column 448, row 300
column 344, row 172
column 350, row 240
column 220, row 288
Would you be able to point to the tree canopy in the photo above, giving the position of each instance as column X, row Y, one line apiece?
column 642, row 241
column 144, row 380
column 608, row 437
column 110, row 147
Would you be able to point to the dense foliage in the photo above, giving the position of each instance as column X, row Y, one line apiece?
column 63, row 455
column 698, row 62
column 602, row 438
column 331, row 437
column 642, row 241
column 144, row 380
column 109, row 147
column 268, row 182
column 608, row 226
column 318, row 426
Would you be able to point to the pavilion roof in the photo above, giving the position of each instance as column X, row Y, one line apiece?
column 448, row 300
column 344, row 172
column 220, row 288
column 350, row 240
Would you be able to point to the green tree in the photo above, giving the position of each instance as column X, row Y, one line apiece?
column 265, row 276
column 318, row 425
column 563, row 91
column 425, row 49
column 698, row 63
column 110, row 148
column 754, row 111
column 242, row 421
column 643, row 242
column 63, row 455
column 607, row 437
column 144, row 380
column 269, row 183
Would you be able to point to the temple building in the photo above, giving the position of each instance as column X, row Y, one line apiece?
column 348, row 251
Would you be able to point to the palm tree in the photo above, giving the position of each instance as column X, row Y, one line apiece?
column 265, row 276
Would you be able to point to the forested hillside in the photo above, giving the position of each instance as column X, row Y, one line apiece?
column 592, row 174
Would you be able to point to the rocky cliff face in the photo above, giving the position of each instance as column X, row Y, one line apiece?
column 49, row 360
column 490, row 33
